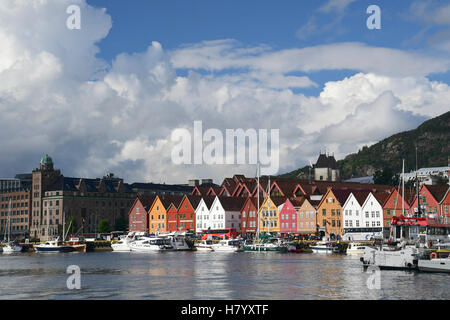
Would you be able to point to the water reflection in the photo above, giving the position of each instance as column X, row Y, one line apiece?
column 208, row 275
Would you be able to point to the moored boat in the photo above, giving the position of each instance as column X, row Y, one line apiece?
column 322, row 247
column 435, row 262
column 147, row 244
column 229, row 245
column 12, row 247
column 51, row 246
column 355, row 248
column 204, row 245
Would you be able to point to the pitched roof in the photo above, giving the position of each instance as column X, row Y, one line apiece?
column 361, row 196
column 146, row 201
column 167, row 200
column 325, row 161
column 232, row 203
column 208, row 201
column 438, row 191
column 194, row 200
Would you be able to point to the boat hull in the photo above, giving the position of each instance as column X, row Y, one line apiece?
column 434, row 265
column 264, row 249
column 9, row 249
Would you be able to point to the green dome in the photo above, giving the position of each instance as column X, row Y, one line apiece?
column 47, row 160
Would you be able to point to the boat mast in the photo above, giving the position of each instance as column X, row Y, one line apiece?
column 257, row 202
column 9, row 221
column 403, row 188
column 419, row 211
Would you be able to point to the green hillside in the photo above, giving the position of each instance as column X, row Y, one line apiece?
column 433, row 142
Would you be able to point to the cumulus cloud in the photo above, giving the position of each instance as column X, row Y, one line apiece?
column 57, row 97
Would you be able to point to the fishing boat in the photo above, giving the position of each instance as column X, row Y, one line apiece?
column 204, row 245
column 151, row 244
column 76, row 244
column 51, row 246
column 411, row 236
column 355, row 248
column 11, row 246
column 322, row 247
column 229, row 245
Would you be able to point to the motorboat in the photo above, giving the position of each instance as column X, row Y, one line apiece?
column 322, row 247
column 177, row 240
column 404, row 257
column 147, row 244
column 76, row 244
column 435, row 263
column 123, row 245
column 355, row 248
column 12, row 247
column 271, row 244
column 204, row 245
column 229, row 245
column 51, row 246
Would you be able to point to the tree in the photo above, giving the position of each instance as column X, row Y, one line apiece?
column 121, row 224
column 440, row 180
column 103, row 226
column 73, row 225
column 385, row 176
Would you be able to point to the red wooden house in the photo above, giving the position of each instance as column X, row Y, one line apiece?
column 393, row 205
column 249, row 215
column 445, row 206
column 288, row 218
column 430, row 199
column 137, row 216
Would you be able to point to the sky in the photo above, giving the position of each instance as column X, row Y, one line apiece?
column 108, row 96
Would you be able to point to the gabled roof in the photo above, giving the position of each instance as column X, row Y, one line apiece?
column 361, row 196
column 194, row 200
column 325, row 161
column 208, row 200
column 286, row 187
column 381, row 197
column 438, row 191
column 232, row 203
column 167, row 200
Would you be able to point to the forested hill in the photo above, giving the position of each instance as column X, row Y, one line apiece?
column 432, row 139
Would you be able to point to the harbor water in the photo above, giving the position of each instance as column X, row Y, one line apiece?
column 208, row 275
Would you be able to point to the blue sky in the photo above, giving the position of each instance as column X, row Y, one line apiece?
column 311, row 69
column 175, row 23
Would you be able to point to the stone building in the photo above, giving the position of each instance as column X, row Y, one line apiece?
column 56, row 198
column 326, row 168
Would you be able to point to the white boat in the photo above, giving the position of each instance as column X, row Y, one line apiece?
column 405, row 257
column 123, row 245
column 50, row 246
column 147, row 244
column 177, row 240
column 322, row 247
column 229, row 245
column 355, row 248
column 11, row 247
column 434, row 264
column 205, row 245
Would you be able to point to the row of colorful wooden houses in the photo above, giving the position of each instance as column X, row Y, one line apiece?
column 287, row 206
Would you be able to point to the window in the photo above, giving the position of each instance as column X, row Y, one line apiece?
column 324, row 212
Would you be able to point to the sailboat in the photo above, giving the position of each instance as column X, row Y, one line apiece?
column 50, row 246
column 263, row 244
column 11, row 247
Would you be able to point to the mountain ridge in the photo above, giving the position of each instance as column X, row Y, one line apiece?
column 432, row 138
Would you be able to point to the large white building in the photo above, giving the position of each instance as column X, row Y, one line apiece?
column 427, row 175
